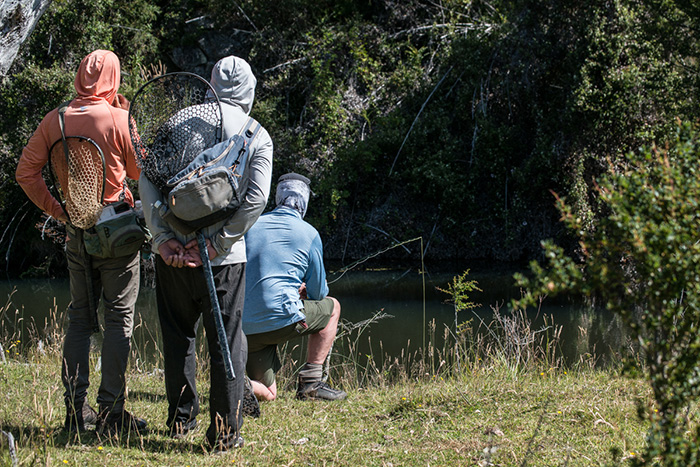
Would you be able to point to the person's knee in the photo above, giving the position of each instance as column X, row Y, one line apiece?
column 336, row 308
column 334, row 318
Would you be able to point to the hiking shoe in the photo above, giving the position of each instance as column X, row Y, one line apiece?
column 250, row 406
column 179, row 430
column 76, row 421
column 319, row 390
column 226, row 443
column 116, row 422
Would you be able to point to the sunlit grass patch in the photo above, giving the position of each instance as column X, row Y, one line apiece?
column 424, row 407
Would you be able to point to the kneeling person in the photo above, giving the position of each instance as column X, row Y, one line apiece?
column 286, row 294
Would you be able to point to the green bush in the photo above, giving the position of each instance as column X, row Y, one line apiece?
column 642, row 260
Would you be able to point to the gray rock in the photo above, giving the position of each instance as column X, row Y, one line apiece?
column 217, row 45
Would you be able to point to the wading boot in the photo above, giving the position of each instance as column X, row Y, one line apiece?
column 79, row 416
column 179, row 430
column 110, row 423
column 226, row 443
column 319, row 390
column 250, row 406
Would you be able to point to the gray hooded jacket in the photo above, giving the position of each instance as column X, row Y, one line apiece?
column 234, row 83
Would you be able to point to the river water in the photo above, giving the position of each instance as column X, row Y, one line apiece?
column 408, row 300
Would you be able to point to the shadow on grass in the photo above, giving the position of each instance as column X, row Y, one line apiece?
column 151, row 440
column 158, row 397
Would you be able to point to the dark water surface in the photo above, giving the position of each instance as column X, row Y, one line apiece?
column 411, row 300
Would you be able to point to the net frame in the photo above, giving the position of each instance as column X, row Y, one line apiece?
column 172, row 118
column 78, row 179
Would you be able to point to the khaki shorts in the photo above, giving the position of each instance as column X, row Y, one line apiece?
column 263, row 361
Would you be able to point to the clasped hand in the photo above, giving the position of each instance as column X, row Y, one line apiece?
column 176, row 255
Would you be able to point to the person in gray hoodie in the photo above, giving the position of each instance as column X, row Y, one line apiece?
column 181, row 291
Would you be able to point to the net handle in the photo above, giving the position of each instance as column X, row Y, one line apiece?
column 86, row 257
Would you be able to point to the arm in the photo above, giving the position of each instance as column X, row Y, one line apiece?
column 159, row 228
column 168, row 246
column 260, row 178
column 124, row 137
column 315, row 277
column 132, row 169
column 28, row 174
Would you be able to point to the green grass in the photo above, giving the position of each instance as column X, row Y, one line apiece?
column 485, row 401
column 486, row 414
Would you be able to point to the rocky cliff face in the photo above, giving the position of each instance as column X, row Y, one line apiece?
column 17, row 21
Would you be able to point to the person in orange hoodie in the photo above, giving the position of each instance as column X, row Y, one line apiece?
column 101, row 114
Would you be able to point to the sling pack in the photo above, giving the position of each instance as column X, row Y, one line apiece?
column 207, row 190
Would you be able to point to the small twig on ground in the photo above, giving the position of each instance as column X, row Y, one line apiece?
column 464, row 396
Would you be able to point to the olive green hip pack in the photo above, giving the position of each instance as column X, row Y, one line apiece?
column 118, row 232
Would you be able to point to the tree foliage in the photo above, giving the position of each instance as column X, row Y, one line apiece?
column 40, row 79
column 451, row 120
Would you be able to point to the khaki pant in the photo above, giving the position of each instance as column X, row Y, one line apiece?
column 115, row 282
column 263, row 359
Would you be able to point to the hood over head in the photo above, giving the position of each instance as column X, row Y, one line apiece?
column 234, row 82
column 98, row 76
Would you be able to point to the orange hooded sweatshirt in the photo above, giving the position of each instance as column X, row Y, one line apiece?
column 95, row 114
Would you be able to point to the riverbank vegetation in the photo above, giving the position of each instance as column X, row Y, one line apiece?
column 642, row 261
column 500, row 396
column 481, row 128
column 448, row 120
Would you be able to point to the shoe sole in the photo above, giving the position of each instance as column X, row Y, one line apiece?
column 316, row 397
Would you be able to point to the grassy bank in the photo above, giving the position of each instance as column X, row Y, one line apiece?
column 487, row 414
column 479, row 409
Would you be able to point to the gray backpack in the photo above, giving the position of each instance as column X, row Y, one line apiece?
column 207, row 190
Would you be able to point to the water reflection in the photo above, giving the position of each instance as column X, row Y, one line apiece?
column 396, row 292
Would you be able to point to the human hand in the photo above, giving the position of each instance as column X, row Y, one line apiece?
column 121, row 102
column 302, row 291
column 172, row 253
column 193, row 255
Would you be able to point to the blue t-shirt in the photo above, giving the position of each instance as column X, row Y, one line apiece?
column 283, row 251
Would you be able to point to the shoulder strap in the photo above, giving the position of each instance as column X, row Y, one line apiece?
column 61, row 122
column 249, row 134
column 54, row 182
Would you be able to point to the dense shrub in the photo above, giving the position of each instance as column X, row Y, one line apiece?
column 643, row 261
